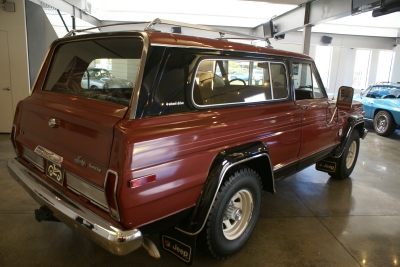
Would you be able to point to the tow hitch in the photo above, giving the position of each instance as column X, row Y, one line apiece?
column 44, row 214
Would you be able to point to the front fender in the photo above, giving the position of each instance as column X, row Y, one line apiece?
column 225, row 160
column 355, row 122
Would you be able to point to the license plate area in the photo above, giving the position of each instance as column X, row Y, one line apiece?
column 55, row 172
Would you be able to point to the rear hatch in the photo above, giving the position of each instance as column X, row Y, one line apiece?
column 65, row 128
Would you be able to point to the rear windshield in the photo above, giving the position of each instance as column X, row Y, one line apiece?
column 103, row 69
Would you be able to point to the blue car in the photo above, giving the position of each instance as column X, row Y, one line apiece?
column 382, row 106
column 240, row 76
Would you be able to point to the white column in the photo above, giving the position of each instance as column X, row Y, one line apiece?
column 306, row 40
column 373, row 67
column 396, row 65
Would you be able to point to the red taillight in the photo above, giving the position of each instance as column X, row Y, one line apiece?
column 142, row 180
column 110, row 189
column 12, row 137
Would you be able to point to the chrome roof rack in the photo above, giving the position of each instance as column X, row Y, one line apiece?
column 221, row 32
column 72, row 32
column 150, row 28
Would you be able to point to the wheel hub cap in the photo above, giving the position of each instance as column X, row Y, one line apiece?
column 237, row 214
column 233, row 213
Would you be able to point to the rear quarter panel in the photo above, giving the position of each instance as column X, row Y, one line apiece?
column 180, row 149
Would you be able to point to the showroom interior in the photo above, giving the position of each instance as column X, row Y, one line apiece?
column 312, row 220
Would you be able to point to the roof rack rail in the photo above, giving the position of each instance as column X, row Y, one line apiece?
column 221, row 32
column 150, row 27
column 72, row 32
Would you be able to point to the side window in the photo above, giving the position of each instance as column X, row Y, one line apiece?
column 279, row 81
column 219, row 82
column 170, row 94
column 305, row 84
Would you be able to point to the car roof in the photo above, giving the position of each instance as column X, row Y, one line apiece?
column 173, row 39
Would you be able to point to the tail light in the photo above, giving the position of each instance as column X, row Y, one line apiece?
column 12, row 137
column 110, row 190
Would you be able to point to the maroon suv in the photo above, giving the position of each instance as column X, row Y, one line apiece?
column 179, row 147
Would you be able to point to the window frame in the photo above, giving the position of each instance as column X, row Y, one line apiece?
column 315, row 74
column 269, row 61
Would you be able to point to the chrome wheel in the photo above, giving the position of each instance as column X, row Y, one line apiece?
column 384, row 124
column 237, row 214
column 351, row 154
column 381, row 123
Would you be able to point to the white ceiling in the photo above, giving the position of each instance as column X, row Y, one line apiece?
column 237, row 13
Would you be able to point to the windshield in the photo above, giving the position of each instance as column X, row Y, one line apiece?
column 104, row 69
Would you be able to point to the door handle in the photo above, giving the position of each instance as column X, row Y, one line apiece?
column 303, row 106
column 6, row 89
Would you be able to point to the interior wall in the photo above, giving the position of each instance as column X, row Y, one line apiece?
column 14, row 24
column 343, row 55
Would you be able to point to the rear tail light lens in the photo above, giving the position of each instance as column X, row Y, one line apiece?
column 110, row 190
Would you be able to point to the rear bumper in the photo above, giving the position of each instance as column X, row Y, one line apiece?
column 79, row 218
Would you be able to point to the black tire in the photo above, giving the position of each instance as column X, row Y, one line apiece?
column 346, row 163
column 222, row 234
column 384, row 124
column 94, row 87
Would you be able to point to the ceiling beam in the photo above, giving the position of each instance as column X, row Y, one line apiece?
column 309, row 14
column 72, row 10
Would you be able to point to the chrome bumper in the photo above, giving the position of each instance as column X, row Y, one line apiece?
column 76, row 216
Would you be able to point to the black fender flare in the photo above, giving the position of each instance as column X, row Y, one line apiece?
column 354, row 122
column 224, row 160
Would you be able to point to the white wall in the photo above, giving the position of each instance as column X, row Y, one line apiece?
column 343, row 55
column 14, row 24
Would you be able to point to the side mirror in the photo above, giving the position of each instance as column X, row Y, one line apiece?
column 345, row 98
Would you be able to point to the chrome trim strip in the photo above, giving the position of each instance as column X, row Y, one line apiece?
column 115, row 194
column 76, row 216
column 41, row 168
column 82, row 187
column 221, row 176
column 139, row 77
column 28, row 153
column 49, row 155
column 244, row 103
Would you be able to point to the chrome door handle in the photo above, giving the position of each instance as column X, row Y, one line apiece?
column 6, row 89
column 303, row 106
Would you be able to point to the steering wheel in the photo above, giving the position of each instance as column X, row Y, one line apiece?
column 240, row 80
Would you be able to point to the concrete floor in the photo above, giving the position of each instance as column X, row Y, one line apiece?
column 311, row 221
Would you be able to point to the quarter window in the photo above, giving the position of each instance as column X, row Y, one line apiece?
column 219, row 82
